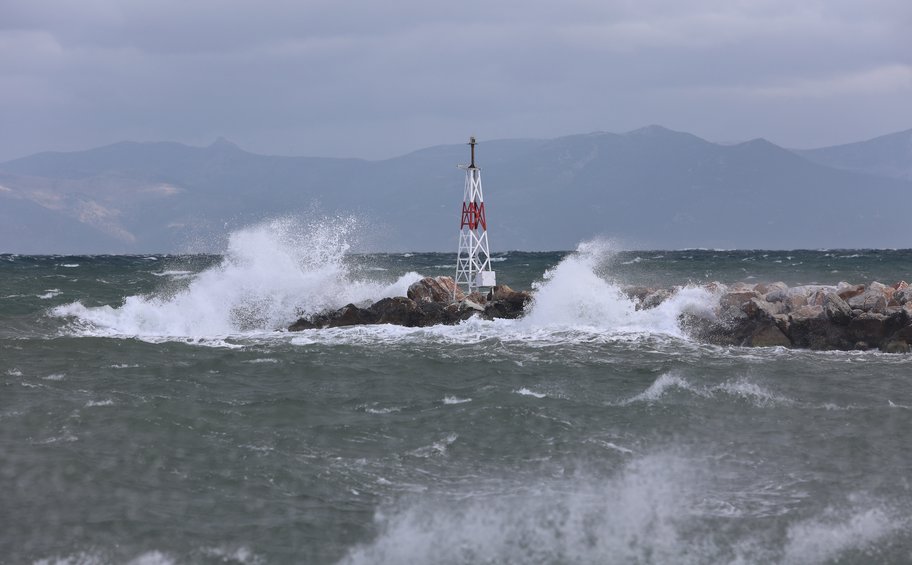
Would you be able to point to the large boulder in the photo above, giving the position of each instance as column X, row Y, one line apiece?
column 758, row 307
column 504, row 302
column 769, row 336
column 351, row 315
column 836, row 308
column 903, row 295
column 400, row 311
column 442, row 290
column 871, row 300
column 847, row 291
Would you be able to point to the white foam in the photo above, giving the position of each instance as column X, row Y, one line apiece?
column 822, row 539
column 652, row 510
column 175, row 274
column 740, row 388
column 752, row 392
column 234, row 555
column 526, row 392
column 574, row 295
column 276, row 271
column 661, row 386
column 50, row 293
column 271, row 273
column 455, row 400
column 630, row 518
column 436, row 449
column 382, row 410
column 106, row 402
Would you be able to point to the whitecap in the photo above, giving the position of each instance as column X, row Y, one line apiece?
column 752, row 392
column 373, row 409
column 659, row 387
column 526, row 392
column 177, row 274
column 106, row 402
column 455, row 400
column 437, row 448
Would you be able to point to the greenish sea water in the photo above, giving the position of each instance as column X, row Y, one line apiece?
column 153, row 410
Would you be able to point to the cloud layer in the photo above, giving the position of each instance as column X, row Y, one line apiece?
column 377, row 79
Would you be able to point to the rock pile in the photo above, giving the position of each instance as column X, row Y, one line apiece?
column 843, row 317
column 430, row 301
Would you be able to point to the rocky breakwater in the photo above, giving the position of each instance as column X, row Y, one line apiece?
column 429, row 302
column 842, row 317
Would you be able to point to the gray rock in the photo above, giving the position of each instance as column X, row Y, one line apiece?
column 400, row 311
column 868, row 327
column 836, row 308
column 769, row 336
column 809, row 311
column 871, row 300
column 847, row 291
column 351, row 315
column 903, row 296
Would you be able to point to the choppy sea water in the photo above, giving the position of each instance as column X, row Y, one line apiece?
column 152, row 410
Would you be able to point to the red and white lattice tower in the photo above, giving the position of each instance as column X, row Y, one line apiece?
column 473, row 263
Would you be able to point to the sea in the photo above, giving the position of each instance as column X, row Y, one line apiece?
column 154, row 410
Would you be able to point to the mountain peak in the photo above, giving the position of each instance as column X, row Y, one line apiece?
column 653, row 129
column 223, row 143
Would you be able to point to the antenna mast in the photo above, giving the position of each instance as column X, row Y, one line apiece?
column 473, row 262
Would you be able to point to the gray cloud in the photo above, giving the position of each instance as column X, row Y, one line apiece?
column 378, row 79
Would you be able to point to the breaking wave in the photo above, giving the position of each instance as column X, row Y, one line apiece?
column 274, row 272
column 270, row 274
column 656, row 509
column 738, row 389
column 574, row 294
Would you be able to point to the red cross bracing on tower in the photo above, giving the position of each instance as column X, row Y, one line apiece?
column 472, row 215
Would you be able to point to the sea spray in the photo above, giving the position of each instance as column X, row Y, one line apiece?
column 576, row 294
column 276, row 271
column 270, row 273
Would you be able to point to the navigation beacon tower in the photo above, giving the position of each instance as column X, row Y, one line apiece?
column 473, row 263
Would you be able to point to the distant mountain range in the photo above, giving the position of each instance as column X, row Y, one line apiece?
column 649, row 188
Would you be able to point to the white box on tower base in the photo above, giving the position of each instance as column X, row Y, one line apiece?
column 485, row 278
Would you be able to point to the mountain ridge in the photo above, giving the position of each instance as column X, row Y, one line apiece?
column 650, row 187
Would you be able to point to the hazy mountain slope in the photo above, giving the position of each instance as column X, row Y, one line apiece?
column 887, row 155
column 26, row 227
column 648, row 188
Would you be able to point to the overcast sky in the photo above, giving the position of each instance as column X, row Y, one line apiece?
column 379, row 79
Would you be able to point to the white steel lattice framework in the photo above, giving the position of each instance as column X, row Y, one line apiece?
column 473, row 263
